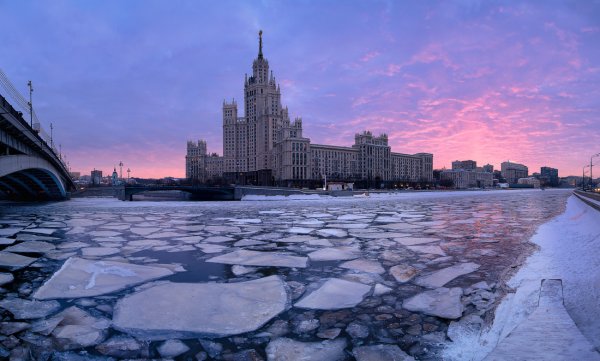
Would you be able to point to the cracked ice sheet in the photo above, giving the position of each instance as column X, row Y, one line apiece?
column 80, row 277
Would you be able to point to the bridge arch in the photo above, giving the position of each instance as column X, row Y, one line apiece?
column 27, row 177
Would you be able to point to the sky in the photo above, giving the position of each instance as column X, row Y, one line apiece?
column 491, row 81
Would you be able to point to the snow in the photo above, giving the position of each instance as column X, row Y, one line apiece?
column 79, row 277
column 173, row 310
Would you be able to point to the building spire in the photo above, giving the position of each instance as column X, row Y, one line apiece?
column 260, row 55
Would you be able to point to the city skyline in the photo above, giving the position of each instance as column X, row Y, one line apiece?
column 462, row 80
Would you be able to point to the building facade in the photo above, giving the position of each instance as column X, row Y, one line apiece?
column 549, row 176
column 532, row 181
column 488, row 168
column 464, row 164
column 264, row 147
column 468, row 179
column 96, row 177
column 511, row 172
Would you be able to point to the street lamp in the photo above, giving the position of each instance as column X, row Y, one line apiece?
column 583, row 176
column 591, row 169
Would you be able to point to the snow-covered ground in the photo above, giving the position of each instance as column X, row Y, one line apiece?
column 569, row 250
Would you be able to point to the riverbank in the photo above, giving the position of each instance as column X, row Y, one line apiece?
column 569, row 248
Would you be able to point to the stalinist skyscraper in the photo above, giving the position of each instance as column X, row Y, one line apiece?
column 248, row 141
column 264, row 147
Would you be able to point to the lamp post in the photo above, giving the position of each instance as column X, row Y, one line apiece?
column 591, row 168
column 583, row 177
column 30, row 85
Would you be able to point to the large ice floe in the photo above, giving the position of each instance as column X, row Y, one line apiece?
column 171, row 310
column 80, row 277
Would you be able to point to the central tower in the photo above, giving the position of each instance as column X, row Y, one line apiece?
column 248, row 141
column 262, row 104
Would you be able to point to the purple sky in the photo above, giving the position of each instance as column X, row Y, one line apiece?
column 132, row 81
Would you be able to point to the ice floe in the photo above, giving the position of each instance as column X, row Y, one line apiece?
column 403, row 272
column 31, row 247
column 443, row 276
column 6, row 278
column 290, row 350
column 13, row 262
column 171, row 310
column 80, row 277
column 335, row 294
column 78, row 329
column 334, row 254
column 412, row 241
column 364, row 265
column 428, row 249
column 255, row 258
column 380, row 353
column 98, row 251
column 441, row 302
column 25, row 309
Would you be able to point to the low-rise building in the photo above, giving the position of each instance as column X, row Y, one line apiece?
column 96, row 177
column 468, row 179
column 529, row 181
column 549, row 176
column 464, row 164
column 511, row 172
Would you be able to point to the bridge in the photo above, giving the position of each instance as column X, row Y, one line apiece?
column 205, row 193
column 29, row 168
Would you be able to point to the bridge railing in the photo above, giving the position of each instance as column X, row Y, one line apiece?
column 37, row 130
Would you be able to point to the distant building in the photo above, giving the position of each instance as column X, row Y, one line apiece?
column 199, row 165
column 75, row 175
column 114, row 179
column 488, row 168
column 214, row 166
column 96, row 176
column 464, row 164
column 511, row 172
column 468, row 179
column 549, row 176
column 530, row 181
column 264, row 146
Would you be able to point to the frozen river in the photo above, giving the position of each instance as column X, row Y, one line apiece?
column 319, row 279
